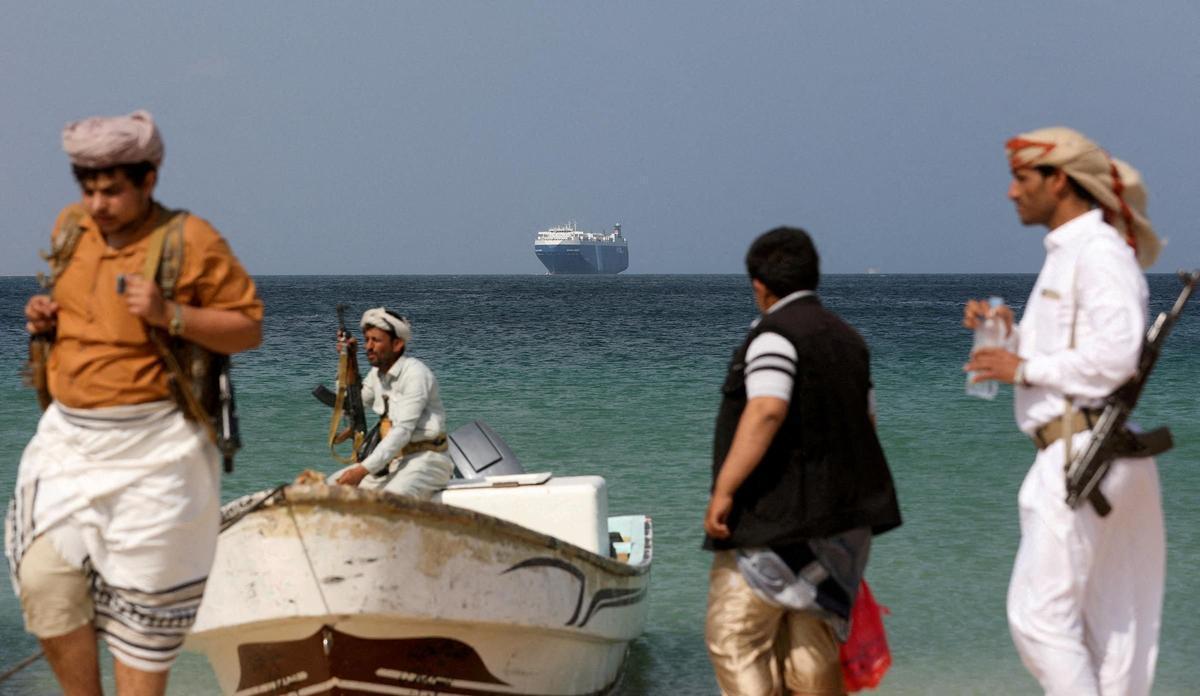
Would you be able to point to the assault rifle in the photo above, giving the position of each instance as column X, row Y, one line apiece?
column 347, row 400
column 1110, row 438
column 351, row 381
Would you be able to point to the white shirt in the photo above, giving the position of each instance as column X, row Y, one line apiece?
column 1091, row 280
column 407, row 395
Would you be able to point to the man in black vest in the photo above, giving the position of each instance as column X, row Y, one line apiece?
column 800, row 484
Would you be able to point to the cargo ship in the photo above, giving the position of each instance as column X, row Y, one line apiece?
column 567, row 250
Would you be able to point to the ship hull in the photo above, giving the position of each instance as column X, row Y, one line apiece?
column 583, row 259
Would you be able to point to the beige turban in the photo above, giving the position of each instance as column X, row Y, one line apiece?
column 100, row 142
column 381, row 318
column 1115, row 185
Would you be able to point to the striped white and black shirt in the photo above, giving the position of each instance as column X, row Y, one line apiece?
column 771, row 361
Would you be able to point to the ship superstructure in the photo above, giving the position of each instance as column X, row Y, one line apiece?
column 568, row 250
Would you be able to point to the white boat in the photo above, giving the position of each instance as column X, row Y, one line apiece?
column 333, row 590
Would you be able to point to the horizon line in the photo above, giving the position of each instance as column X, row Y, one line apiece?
column 604, row 275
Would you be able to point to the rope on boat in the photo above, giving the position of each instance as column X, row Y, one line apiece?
column 312, row 570
column 11, row 672
column 234, row 517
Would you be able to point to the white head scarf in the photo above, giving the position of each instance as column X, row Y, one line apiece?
column 386, row 320
column 100, row 142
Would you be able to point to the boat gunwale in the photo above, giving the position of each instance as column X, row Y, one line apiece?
column 389, row 504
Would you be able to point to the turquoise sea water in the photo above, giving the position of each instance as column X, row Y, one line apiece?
column 619, row 376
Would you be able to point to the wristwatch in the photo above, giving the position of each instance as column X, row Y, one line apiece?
column 175, row 326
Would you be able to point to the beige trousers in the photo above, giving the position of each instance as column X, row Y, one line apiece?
column 758, row 649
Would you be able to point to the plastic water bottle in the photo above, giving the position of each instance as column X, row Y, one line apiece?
column 988, row 333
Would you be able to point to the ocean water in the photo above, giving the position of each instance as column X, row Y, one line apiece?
column 619, row 376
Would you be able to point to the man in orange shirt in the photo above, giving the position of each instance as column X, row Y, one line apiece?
column 113, row 525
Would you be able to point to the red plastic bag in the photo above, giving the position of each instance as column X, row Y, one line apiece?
column 865, row 655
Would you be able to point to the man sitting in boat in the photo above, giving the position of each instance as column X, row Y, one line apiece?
column 410, row 458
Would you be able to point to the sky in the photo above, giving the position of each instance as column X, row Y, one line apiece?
column 439, row 137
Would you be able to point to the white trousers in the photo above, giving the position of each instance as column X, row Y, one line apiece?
column 130, row 496
column 421, row 475
column 1085, row 599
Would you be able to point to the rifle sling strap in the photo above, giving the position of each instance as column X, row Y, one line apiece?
column 171, row 231
column 1069, row 423
column 62, row 247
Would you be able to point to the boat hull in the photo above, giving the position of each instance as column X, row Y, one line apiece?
column 583, row 259
column 332, row 590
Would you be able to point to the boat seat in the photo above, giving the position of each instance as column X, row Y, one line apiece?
column 478, row 451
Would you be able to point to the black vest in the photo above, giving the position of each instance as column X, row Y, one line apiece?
column 824, row 472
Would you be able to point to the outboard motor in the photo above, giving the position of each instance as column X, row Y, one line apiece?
column 478, row 451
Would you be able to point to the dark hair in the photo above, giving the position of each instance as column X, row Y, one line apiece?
column 785, row 260
column 136, row 172
column 1048, row 170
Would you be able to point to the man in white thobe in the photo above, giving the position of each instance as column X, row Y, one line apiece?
column 1085, row 598
column 410, row 458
